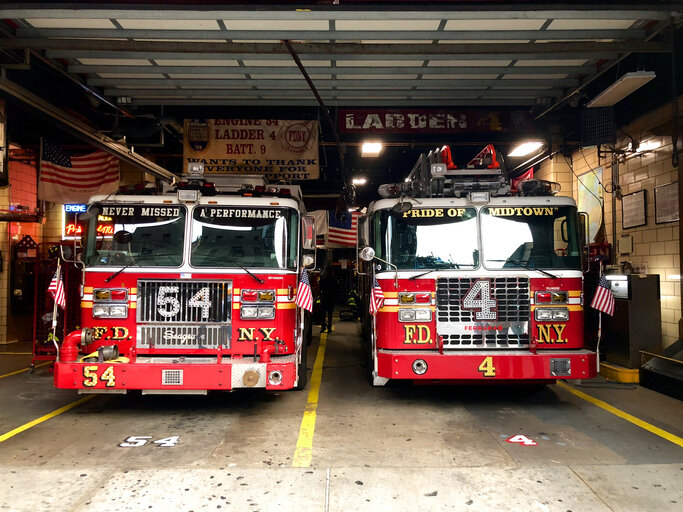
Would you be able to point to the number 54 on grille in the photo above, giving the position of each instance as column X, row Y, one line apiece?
column 465, row 280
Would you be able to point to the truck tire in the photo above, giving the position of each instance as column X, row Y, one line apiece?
column 302, row 370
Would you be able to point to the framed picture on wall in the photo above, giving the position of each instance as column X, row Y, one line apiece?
column 666, row 203
column 634, row 209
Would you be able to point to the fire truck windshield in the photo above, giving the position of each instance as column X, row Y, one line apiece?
column 543, row 237
column 142, row 235
column 244, row 236
column 428, row 238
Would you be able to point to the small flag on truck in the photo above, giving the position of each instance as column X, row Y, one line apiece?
column 376, row 298
column 56, row 289
column 603, row 300
column 304, row 297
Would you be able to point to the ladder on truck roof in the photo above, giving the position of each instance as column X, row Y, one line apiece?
column 435, row 175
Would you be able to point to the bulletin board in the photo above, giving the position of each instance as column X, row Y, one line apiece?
column 666, row 203
column 634, row 209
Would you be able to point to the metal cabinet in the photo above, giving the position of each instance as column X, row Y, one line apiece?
column 636, row 324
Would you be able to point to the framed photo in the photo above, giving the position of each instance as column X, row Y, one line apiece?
column 634, row 209
column 666, row 203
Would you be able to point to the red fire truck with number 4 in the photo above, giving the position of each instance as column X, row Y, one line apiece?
column 191, row 290
column 475, row 283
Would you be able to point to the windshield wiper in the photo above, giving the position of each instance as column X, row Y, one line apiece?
column 449, row 266
column 525, row 264
column 261, row 281
column 135, row 260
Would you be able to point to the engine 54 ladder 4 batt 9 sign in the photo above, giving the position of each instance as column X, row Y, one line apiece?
column 478, row 284
column 190, row 290
column 280, row 150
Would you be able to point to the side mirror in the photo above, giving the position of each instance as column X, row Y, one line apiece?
column 65, row 252
column 584, row 226
column 367, row 254
column 307, row 261
column 308, row 235
column 123, row 237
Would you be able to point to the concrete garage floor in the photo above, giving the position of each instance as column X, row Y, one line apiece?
column 402, row 448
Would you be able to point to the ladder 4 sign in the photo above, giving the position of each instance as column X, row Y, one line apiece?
column 522, row 439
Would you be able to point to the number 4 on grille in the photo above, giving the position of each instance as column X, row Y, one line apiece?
column 486, row 307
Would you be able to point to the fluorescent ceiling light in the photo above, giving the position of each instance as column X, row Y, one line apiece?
column 359, row 181
column 621, row 88
column 371, row 148
column 525, row 148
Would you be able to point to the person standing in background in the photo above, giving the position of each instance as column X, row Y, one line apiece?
column 329, row 288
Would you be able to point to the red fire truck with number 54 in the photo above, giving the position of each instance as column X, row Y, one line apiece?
column 468, row 282
column 192, row 290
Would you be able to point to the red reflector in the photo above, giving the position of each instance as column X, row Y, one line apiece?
column 285, row 192
column 139, row 186
column 118, row 295
column 422, row 298
column 259, row 188
column 543, row 297
column 249, row 296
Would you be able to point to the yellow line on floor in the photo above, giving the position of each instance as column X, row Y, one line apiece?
column 19, row 430
column 624, row 415
column 304, row 445
column 24, row 370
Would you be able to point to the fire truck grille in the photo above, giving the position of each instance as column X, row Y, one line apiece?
column 184, row 302
column 462, row 328
column 183, row 336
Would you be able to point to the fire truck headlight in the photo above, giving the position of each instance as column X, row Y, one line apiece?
column 423, row 315
column 544, row 314
column 561, row 314
column 110, row 311
column 406, row 315
column 266, row 312
column 414, row 315
column 249, row 312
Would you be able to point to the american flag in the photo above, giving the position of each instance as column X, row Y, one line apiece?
column 603, row 300
column 376, row 298
column 56, row 289
column 342, row 232
column 304, row 297
column 74, row 179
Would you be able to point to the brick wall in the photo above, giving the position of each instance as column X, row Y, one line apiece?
column 22, row 191
column 655, row 245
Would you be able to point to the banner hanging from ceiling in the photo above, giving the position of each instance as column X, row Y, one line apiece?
column 280, row 150
column 381, row 121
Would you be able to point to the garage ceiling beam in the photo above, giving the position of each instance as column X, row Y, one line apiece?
column 326, row 49
column 339, row 35
column 84, row 131
column 324, row 58
column 583, row 11
column 352, row 103
column 340, row 71
column 351, row 93
column 290, row 83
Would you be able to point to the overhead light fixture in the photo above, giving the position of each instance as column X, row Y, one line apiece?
column 371, row 148
column 359, row 181
column 621, row 88
column 525, row 148
column 124, row 100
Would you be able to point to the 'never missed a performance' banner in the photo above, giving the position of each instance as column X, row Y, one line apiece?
column 282, row 150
